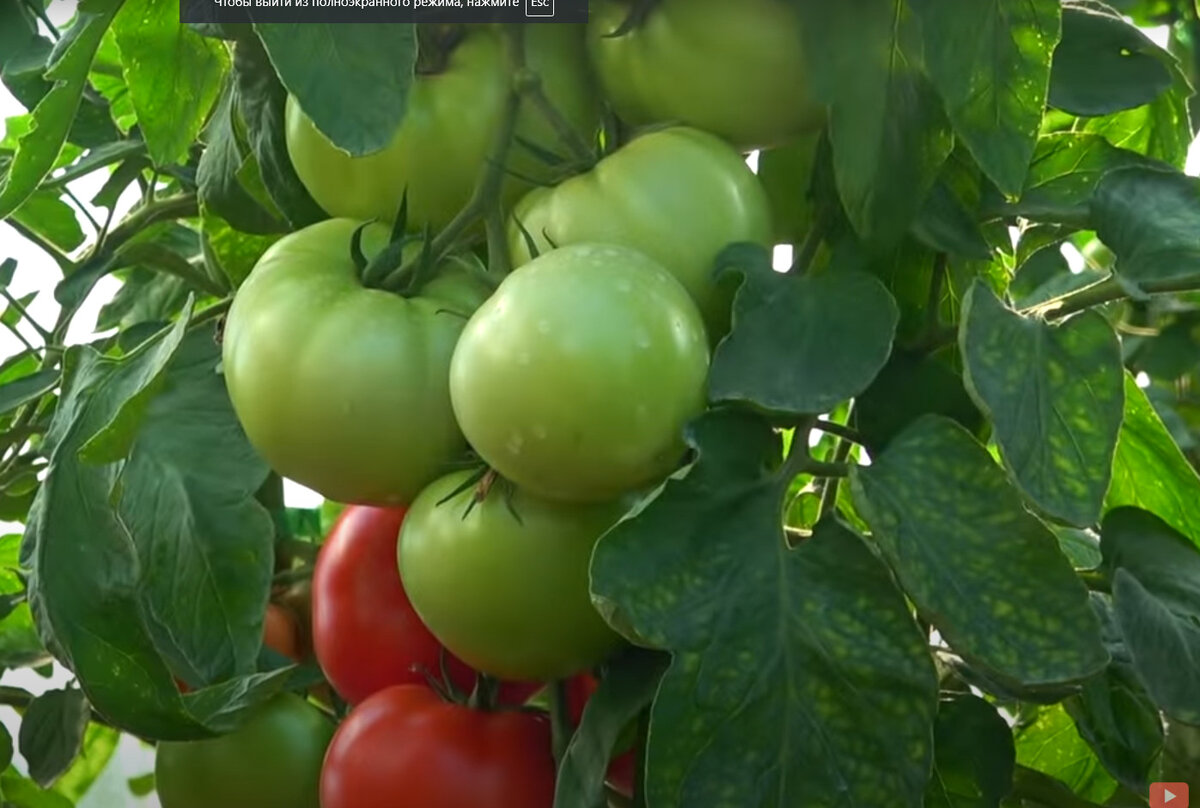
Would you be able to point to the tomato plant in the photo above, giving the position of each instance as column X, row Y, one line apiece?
column 679, row 195
column 407, row 748
column 731, row 69
column 453, row 114
column 505, row 588
column 808, row 387
column 576, row 377
column 273, row 760
column 321, row 370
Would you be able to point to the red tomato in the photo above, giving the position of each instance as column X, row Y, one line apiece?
column 621, row 771
column 365, row 633
column 407, row 748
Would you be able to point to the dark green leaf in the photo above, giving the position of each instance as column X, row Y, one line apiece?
column 232, row 251
column 946, row 225
column 990, row 60
column 19, row 643
column 909, row 386
column 889, row 131
column 1104, row 64
column 627, row 688
column 99, row 747
column 1056, row 396
column 6, row 748
column 144, row 296
column 1050, row 744
column 791, row 667
column 351, row 79
column 1160, row 130
column 973, row 756
column 1151, row 220
column 907, row 271
column 987, row 574
column 1145, row 453
column 785, row 327
column 173, row 74
column 121, row 178
column 786, row 173
column 47, row 215
column 1046, row 276
column 260, row 103
column 1066, row 168
column 53, row 115
column 1174, row 353
column 52, row 733
column 97, row 158
column 1156, row 596
column 26, row 389
column 1181, row 757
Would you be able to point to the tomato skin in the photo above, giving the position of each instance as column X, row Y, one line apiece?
column 281, row 632
column 576, row 378
column 271, row 761
column 733, row 69
column 450, row 123
column 406, row 748
column 679, row 195
column 509, row 598
column 341, row 388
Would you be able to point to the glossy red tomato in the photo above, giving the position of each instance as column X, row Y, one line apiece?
column 365, row 633
column 407, row 748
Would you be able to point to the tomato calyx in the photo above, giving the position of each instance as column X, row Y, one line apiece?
column 483, row 480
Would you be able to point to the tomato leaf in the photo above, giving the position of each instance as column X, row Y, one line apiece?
column 1048, row 742
column 26, row 389
column 790, row 667
column 1056, row 396
column 1115, row 715
column 984, row 571
column 1181, row 757
column 1066, row 168
column 232, row 251
column 54, row 113
column 6, row 748
column 1161, row 129
column 1103, row 64
column 627, row 688
column 1156, row 596
column 1145, row 451
column 99, row 747
column 46, row 214
column 173, row 75
column 784, row 327
column 909, row 386
column 19, row 643
column 52, row 733
column 990, row 61
column 319, row 63
column 973, row 755
column 24, row 793
column 889, row 131
column 1151, row 220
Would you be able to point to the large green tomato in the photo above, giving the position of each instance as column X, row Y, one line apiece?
column 505, row 587
column 732, row 68
column 339, row 387
column 576, row 378
column 679, row 195
column 452, row 118
column 271, row 761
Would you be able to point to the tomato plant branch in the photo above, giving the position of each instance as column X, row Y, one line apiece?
column 87, row 214
column 21, row 310
column 529, row 84
column 808, row 249
column 183, row 206
column 1108, row 291
column 842, row 431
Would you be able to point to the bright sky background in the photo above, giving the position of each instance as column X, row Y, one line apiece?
column 37, row 273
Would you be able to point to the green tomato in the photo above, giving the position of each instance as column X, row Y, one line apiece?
column 271, row 761
column 679, row 195
column 452, row 118
column 576, row 378
column 505, row 587
column 731, row 68
column 345, row 389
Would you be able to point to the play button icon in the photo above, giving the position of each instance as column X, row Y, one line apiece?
column 1169, row 795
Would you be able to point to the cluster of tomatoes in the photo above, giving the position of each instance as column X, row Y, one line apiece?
column 571, row 379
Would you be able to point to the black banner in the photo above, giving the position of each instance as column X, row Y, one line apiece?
column 336, row 11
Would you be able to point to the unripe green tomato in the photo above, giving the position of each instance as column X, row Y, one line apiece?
column 452, row 118
column 576, row 378
column 678, row 195
column 505, row 587
column 339, row 387
column 271, row 761
column 731, row 67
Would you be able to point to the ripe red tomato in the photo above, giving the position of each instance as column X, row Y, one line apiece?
column 407, row 748
column 365, row 633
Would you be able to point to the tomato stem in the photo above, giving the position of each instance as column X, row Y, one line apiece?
column 560, row 719
column 1107, row 291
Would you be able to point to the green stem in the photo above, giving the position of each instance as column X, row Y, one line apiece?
column 808, row 249
column 560, row 719
column 530, row 85
column 842, row 431
column 829, row 491
column 82, row 209
column 173, row 207
column 12, row 329
column 1095, row 580
column 801, row 461
column 212, row 312
column 1107, row 291
column 21, row 310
